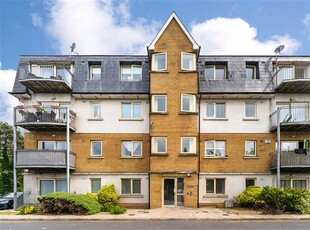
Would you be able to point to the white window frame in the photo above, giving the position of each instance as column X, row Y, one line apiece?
column 246, row 179
column 245, row 149
column 91, row 184
column 91, row 148
column 132, row 117
column 40, row 142
column 131, row 186
column 155, row 146
column 190, row 150
column 295, row 179
column 253, row 67
column 214, row 186
column 192, row 106
column 154, row 63
column 131, row 67
column 93, row 104
column 214, row 71
column 132, row 152
column 91, row 69
column 154, row 108
column 215, row 115
column 54, row 183
column 193, row 56
column 215, row 148
column 255, row 109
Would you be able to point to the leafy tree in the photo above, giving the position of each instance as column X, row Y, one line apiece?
column 6, row 158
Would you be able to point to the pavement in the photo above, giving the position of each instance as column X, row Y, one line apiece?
column 213, row 214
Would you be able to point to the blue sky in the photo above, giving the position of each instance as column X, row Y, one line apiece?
column 127, row 27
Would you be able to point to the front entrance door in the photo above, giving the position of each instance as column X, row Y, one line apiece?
column 174, row 192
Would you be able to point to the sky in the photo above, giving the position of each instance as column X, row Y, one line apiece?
column 220, row 27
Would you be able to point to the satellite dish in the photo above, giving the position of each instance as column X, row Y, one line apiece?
column 72, row 47
column 279, row 49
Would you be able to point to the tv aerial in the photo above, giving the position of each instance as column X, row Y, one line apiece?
column 72, row 47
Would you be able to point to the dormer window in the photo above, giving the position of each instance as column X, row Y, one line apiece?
column 251, row 71
column 188, row 61
column 159, row 62
column 95, row 72
column 215, row 72
column 131, row 72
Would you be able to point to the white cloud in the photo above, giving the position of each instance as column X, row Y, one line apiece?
column 306, row 22
column 225, row 36
column 98, row 27
column 7, row 101
column 36, row 20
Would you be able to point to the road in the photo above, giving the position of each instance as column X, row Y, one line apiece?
column 139, row 225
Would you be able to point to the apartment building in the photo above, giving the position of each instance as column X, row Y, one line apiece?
column 170, row 128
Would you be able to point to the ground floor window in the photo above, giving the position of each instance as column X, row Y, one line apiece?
column 294, row 183
column 95, row 185
column 215, row 186
column 250, row 182
column 52, row 185
column 131, row 186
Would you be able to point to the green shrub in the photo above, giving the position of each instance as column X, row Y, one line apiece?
column 93, row 196
column 274, row 200
column 62, row 202
column 106, row 207
column 24, row 210
column 249, row 198
column 117, row 210
column 297, row 200
column 107, row 194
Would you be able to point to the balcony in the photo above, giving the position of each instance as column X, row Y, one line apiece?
column 291, row 161
column 43, row 119
column 48, row 78
column 292, row 119
column 293, row 79
column 44, row 159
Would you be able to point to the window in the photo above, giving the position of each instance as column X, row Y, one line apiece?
column 188, row 103
column 188, row 61
column 159, row 145
column 215, row 148
column 159, row 103
column 250, row 148
column 52, row 185
column 131, row 148
column 215, row 186
column 95, row 72
column 250, row 182
column 52, row 145
column 131, row 110
column 159, row 62
column 47, row 71
column 215, row 110
column 289, row 145
column 285, row 73
column 215, row 72
column 96, row 110
column 96, row 148
column 250, row 109
column 250, row 72
column 95, row 185
column 131, row 72
column 188, row 145
column 294, row 183
column 131, row 186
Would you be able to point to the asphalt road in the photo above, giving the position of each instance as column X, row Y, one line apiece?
column 139, row 225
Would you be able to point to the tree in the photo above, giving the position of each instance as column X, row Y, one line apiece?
column 6, row 158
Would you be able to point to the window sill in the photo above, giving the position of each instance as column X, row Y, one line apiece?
column 159, row 71
column 188, row 71
column 250, row 157
column 215, row 157
column 188, row 113
column 250, row 119
column 95, row 119
column 131, row 119
column 159, row 154
column 140, row 157
column 215, row 196
column 188, row 155
column 159, row 113
column 94, row 157
column 215, row 119
column 131, row 196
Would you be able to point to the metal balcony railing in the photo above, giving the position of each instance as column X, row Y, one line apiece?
column 292, row 160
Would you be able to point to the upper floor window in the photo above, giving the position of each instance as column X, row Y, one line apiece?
column 215, row 72
column 159, row 103
column 131, row 148
column 188, row 145
column 216, row 110
column 188, row 61
column 250, row 148
column 95, row 72
column 159, row 144
column 52, row 145
column 250, row 72
column 188, row 103
column 96, row 148
column 250, row 109
column 131, row 72
column 53, row 71
column 131, row 110
column 159, row 62
column 285, row 73
column 215, row 148
column 96, row 110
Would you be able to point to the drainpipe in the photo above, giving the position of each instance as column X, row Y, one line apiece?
column 68, row 148
column 278, row 147
column 14, row 160
column 199, row 143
